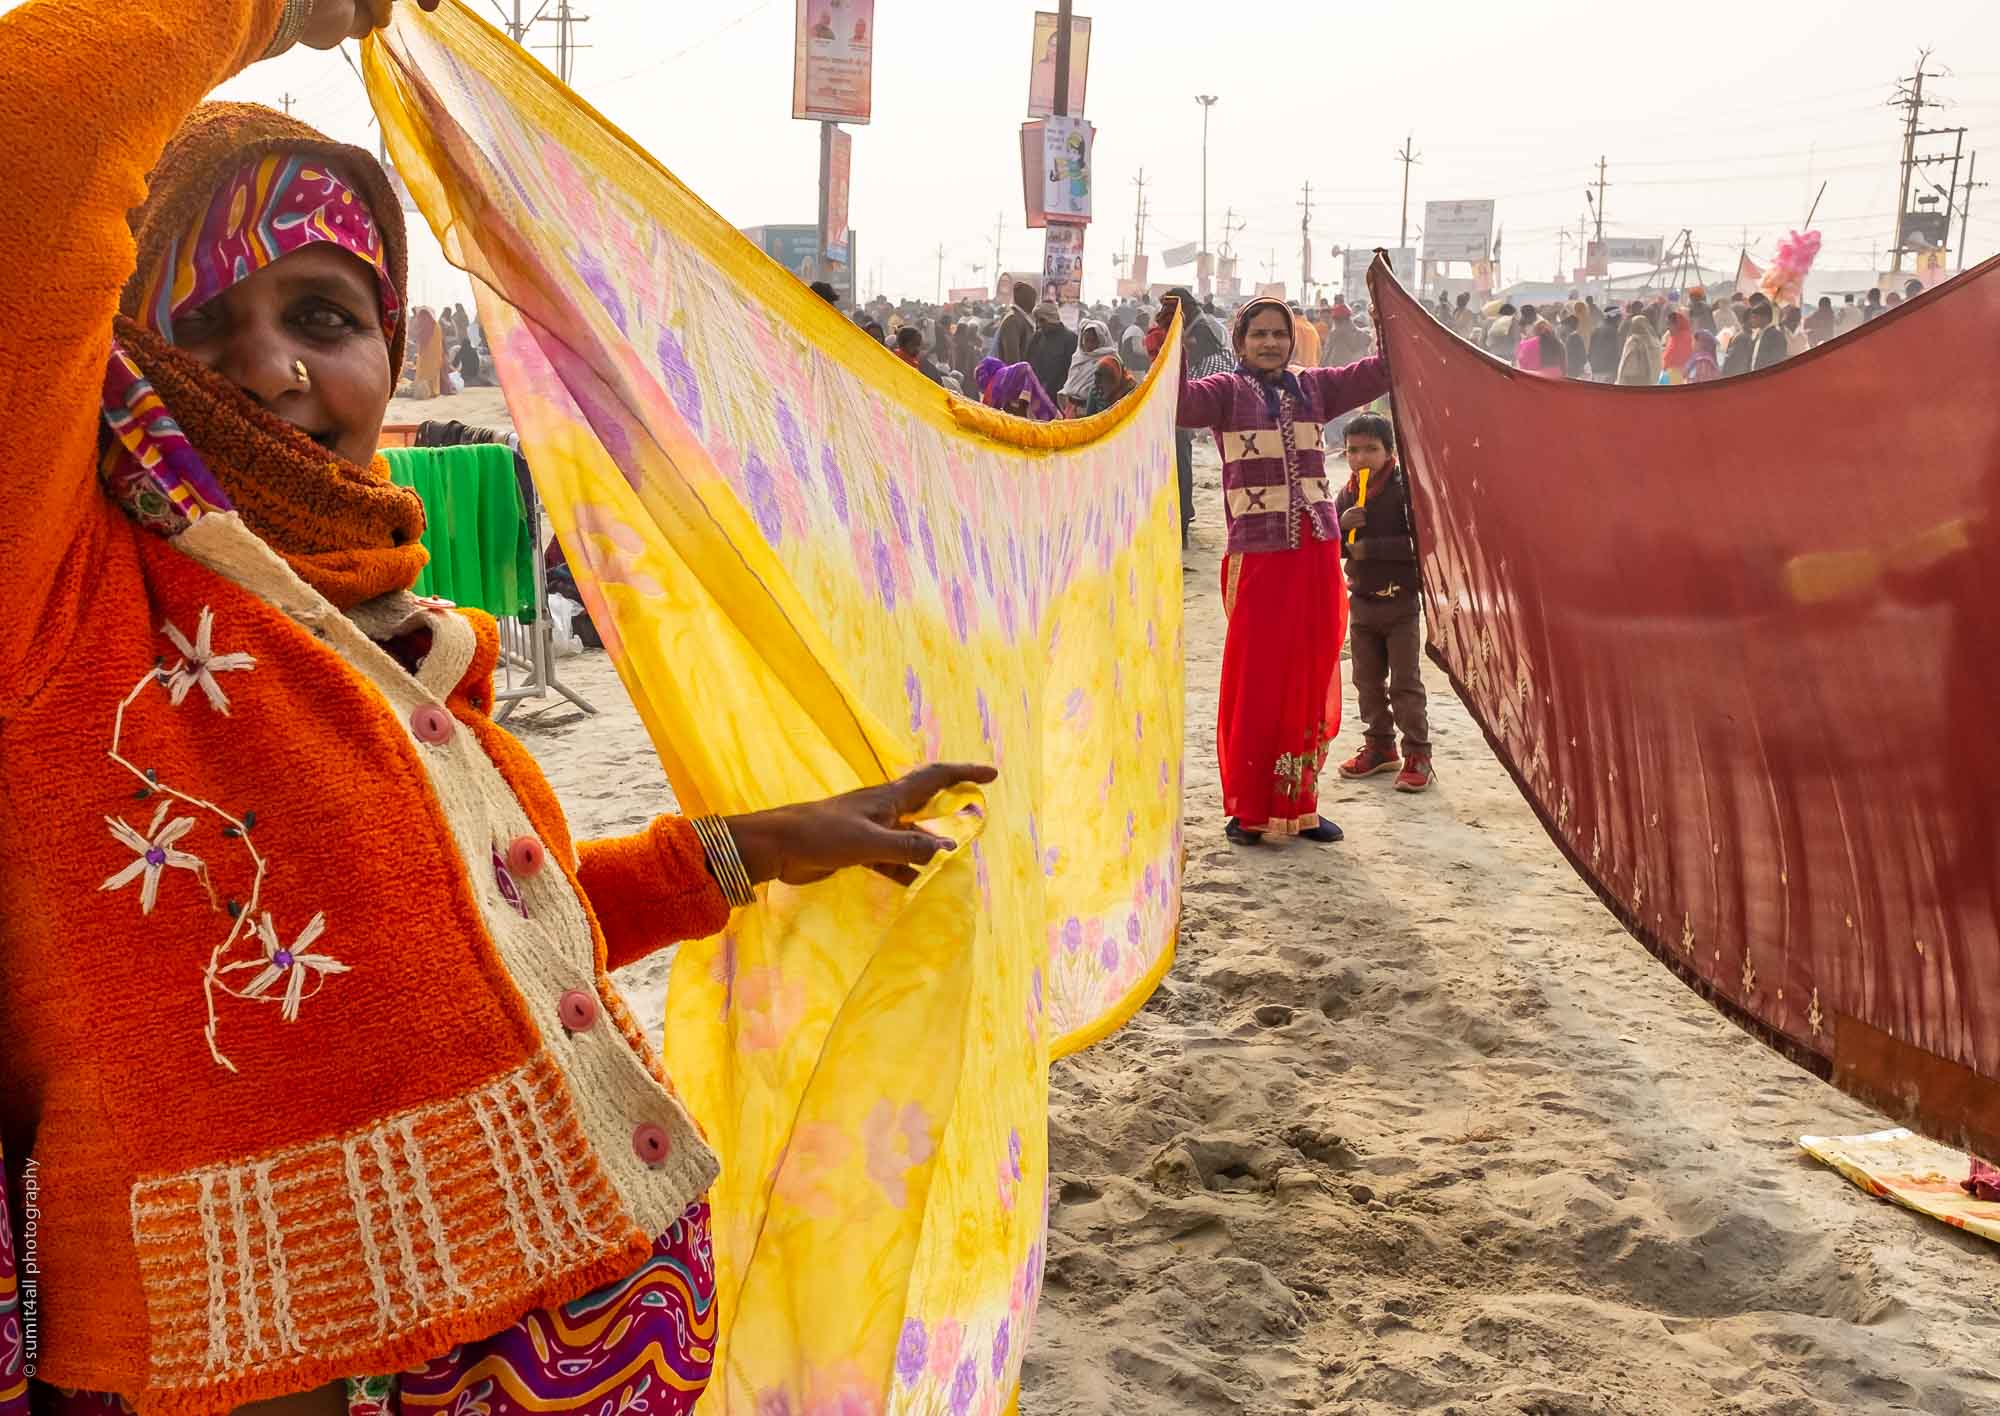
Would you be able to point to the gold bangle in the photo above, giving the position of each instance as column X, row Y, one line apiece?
column 725, row 862
column 291, row 27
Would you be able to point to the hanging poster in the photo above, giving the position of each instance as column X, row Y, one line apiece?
column 1066, row 169
column 833, row 61
column 1042, row 77
column 1062, row 263
column 1176, row 256
column 839, row 174
column 1034, row 163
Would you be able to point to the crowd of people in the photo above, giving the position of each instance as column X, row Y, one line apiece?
column 448, row 354
column 1673, row 337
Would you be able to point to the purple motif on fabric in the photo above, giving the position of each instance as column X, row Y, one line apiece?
column 964, row 1386
column 652, row 1333
column 929, row 545
column 599, row 284
column 899, row 512
column 1001, row 1338
column 885, row 574
column 836, row 485
column 763, row 495
column 681, row 384
column 911, row 1351
column 795, row 443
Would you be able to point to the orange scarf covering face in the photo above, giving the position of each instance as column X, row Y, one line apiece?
column 178, row 433
column 347, row 530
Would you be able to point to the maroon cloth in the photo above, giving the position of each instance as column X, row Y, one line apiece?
column 1739, row 644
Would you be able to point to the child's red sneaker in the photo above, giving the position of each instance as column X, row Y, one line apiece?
column 1371, row 759
column 1416, row 774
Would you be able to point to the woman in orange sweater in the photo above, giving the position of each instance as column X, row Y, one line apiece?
column 312, row 1070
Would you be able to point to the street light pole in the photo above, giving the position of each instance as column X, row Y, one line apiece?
column 1207, row 101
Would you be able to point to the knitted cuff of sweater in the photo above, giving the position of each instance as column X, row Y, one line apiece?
column 651, row 890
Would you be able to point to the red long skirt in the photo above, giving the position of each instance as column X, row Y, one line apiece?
column 1280, row 708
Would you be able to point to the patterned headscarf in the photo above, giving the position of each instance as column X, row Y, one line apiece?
column 268, row 208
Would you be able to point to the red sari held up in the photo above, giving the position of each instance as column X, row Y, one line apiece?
column 1280, row 702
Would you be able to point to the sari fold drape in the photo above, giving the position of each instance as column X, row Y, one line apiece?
column 1739, row 644
column 813, row 568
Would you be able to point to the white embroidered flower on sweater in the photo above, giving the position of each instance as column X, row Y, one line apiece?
column 156, row 854
column 290, row 965
column 200, row 664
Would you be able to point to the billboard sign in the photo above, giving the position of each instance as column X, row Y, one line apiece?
column 833, row 61
column 1627, row 250
column 1042, row 77
column 1457, row 231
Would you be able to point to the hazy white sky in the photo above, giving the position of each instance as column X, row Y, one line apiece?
column 1716, row 126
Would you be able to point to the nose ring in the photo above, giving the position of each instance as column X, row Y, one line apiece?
column 299, row 373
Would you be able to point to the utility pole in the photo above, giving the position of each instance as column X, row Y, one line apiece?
column 1063, row 22
column 1910, row 98
column 999, row 224
column 1139, row 221
column 1965, row 208
column 1596, row 205
column 1409, row 159
column 518, row 24
column 940, row 278
column 1230, row 226
column 1270, row 266
column 286, row 103
column 1562, row 249
column 1306, row 245
column 1207, row 101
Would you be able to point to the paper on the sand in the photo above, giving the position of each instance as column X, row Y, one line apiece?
column 1917, row 1174
column 813, row 571
column 1739, row 644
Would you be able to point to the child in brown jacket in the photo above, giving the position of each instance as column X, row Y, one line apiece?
column 1378, row 549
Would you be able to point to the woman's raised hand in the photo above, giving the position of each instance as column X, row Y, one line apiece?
column 333, row 21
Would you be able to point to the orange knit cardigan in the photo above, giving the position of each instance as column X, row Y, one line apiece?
column 304, row 1015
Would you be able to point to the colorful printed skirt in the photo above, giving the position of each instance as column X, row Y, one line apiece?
column 1280, row 708
column 644, row 1344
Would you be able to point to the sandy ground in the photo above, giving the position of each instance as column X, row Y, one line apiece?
column 1413, row 1126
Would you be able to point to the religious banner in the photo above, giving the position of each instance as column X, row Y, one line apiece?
column 1680, row 698
column 964, row 294
column 1066, row 169
column 833, row 60
column 1042, row 78
column 1140, row 264
column 839, row 179
column 812, row 569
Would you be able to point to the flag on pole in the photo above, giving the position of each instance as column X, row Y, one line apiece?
column 1182, row 255
column 1749, row 275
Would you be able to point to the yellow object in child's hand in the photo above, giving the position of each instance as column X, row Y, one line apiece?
column 1361, row 500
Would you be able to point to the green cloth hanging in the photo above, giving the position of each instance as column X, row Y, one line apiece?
column 475, row 526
